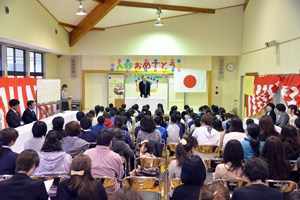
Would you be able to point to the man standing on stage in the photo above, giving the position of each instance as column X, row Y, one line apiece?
column 144, row 87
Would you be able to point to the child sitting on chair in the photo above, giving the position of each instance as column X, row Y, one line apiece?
column 145, row 166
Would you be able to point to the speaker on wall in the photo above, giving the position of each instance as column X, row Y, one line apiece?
column 73, row 67
column 221, row 67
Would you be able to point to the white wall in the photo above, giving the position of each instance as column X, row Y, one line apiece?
column 198, row 34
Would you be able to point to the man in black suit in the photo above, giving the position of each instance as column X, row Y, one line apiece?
column 13, row 118
column 21, row 186
column 144, row 87
column 29, row 114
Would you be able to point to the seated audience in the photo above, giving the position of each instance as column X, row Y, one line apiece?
column 119, row 123
column 86, row 133
column 217, row 125
column 79, row 115
column 162, row 130
column 197, row 123
column 53, row 160
column 236, row 131
column 293, row 114
column 99, row 110
column 137, row 125
column 270, row 111
column 256, row 170
column 13, row 118
column 8, row 158
column 252, row 146
column 81, row 184
column 99, row 127
column 193, row 175
column 267, row 127
column 206, row 135
column 21, row 186
column 148, row 131
column 105, row 162
column 39, row 130
column 72, row 144
column 160, row 113
column 119, row 145
column 126, row 193
column 273, row 153
column 227, row 121
column 290, row 142
column 233, row 165
column 29, row 114
column 173, row 130
column 146, row 151
column 214, row 191
column 107, row 122
column 282, row 118
column 185, row 148
column 58, row 126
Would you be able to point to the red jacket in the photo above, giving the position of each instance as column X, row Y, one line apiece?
column 108, row 123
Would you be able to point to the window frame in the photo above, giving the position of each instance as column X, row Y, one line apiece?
column 34, row 73
column 16, row 73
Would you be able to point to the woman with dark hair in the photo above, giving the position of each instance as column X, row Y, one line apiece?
column 161, row 107
column 293, row 113
column 193, row 175
column 21, row 186
column 185, row 148
column 283, row 118
column 119, row 123
column 270, row 111
column 273, row 153
column 173, row 111
column 8, row 158
column 148, row 131
column 232, row 168
column 65, row 98
column 267, row 128
column 58, row 126
column 252, row 146
column 99, row 110
column 81, row 185
column 126, row 193
column 39, row 130
column 53, row 159
column 236, row 131
column 290, row 142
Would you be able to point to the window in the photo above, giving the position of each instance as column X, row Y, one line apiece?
column 15, row 62
column 36, row 64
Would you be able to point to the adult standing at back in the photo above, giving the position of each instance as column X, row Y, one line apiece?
column 282, row 118
column 29, row 114
column 13, row 118
column 65, row 98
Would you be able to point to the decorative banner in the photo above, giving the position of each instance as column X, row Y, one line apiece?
column 290, row 87
column 190, row 81
column 145, row 65
column 22, row 89
column 249, row 85
column 265, row 88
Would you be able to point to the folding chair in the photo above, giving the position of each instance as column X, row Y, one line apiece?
column 282, row 185
column 110, row 184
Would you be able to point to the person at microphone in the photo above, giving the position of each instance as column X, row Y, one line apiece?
column 144, row 87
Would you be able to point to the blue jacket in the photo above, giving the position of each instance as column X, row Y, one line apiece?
column 97, row 128
column 163, row 132
column 248, row 152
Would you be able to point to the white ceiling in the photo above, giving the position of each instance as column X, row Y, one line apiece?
column 64, row 10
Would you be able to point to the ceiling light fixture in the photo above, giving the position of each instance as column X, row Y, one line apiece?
column 81, row 11
column 158, row 21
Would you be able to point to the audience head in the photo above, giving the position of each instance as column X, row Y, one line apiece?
column 107, row 109
column 79, row 115
column 297, row 123
column 118, row 134
column 193, row 171
column 58, row 123
column 214, row 191
column 254, row 131
column 135, row 107
column 100, row 120
column 236, row 158
column 73, row 129
column 207, row 119
column 270, row 107
column 106, row 115
column 236, row 125
column 249, row 121
column 146, row 147
column 267, row 127
column 64, row 86
column 290, row 141
column 8, row 137
column 158, row 120
column 273, row 153
column 27, row 161
column 256, row 169
column 147, row 124
column 31, row 104
column 197, row 121
column 111, row 105
column 291, row 195
column 39, row 129
column 86, row 123
column 14, row 104
column 118, row 123
column 185, row 148
column 126, row 193
column 52, row 142
column 280, row 107
column 292, row 109
column 217, row 124
column 105, row 137
column 97, row 109
column 174, row 118
column 158, row 112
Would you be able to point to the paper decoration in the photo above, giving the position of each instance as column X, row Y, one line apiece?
column 249, row 85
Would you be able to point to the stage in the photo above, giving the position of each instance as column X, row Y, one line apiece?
column 152, row 101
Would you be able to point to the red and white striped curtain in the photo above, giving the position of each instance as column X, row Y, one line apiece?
column 289, row 88
column 265, row 88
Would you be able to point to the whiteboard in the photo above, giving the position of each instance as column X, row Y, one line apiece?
column 48, row 90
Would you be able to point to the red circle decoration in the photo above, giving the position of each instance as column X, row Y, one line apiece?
column 189, row 81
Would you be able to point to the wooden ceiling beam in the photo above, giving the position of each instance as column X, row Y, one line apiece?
column 246, row 4
column 66, row 25
column 88, row 23
column 166, row 7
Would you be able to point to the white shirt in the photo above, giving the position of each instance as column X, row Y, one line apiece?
column 206, row 137
column 233, row 136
